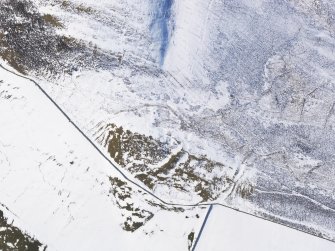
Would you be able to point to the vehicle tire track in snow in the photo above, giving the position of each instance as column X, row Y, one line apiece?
column 134, row 182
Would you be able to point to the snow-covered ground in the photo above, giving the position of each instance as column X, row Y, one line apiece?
column 231, row 230
column 243, row 89
column 57, row 185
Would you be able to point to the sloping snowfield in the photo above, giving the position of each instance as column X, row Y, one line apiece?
column 57, row 185
column 227, row 229
column 121, row 121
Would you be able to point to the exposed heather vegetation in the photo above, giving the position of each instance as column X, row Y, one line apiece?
column 134, row 216
column 154, row 163
column 28, row 42
column 13, row 239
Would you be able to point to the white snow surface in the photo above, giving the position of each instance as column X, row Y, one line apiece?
column 67, row 205
column 231, row 230
column 57, row 184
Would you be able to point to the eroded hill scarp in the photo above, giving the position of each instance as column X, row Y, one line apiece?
column 161, row 164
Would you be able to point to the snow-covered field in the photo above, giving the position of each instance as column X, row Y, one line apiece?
column 57, row 186
column 231, row 230
column 197, row 102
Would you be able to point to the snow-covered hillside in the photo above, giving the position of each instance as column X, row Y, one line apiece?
column 58, row 187
column 196, row 102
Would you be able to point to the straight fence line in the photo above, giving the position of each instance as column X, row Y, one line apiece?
column 202, row 227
